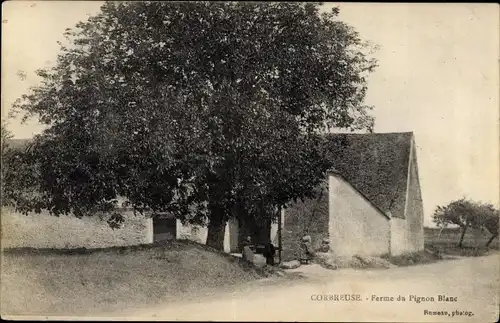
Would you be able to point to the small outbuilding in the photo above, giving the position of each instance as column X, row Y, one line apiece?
column 369, row 204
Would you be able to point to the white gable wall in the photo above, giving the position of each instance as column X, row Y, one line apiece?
column 356, row 227
column 399, row 238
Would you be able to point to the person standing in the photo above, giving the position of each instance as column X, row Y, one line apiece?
column 269, row 253
column 248, row 250
column 306, row 252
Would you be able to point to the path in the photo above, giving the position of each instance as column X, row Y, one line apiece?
column 472, row 281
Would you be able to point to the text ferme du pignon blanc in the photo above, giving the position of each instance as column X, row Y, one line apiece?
column 377, row 298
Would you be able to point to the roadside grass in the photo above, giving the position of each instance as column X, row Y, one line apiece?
column 86, row 282
column 330, row 261
column 438, row 246
column 451, row 249
column 446, row 243
column 414, row 258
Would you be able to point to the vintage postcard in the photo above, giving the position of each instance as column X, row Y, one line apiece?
column 250, row 161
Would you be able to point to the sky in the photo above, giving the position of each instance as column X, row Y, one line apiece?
column 438, row 76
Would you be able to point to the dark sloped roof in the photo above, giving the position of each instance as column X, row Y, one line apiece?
column 375, row 164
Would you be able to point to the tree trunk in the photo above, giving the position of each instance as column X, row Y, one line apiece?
column 462, row 237
column 216, row 228
column 440, row 231
column 491, row 239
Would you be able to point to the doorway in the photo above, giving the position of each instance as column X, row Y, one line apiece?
column 164, row 228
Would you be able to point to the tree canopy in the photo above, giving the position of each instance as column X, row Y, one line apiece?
column 6, row 135
column 195, row 108
column 468, row 214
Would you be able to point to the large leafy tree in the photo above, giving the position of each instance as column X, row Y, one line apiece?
column 489, row 220
column 459, row 213
column 206, row 110
column 6, row 135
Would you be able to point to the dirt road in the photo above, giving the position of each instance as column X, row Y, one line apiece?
column 469, row 289
column 460, row 290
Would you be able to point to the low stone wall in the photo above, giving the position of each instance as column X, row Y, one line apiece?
column 46, row 231
column 196, row 233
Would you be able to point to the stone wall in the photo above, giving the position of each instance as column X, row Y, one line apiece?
column 197, row 233
column 311, row 216
column 46, row 231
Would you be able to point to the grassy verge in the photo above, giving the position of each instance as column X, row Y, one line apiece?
column 451, row 249
column 414, row 258
column 89, row 281
column 445, row 242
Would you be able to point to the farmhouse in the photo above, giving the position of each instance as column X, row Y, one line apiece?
column 370, row 203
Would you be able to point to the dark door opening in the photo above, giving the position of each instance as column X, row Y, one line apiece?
column 164, row 228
